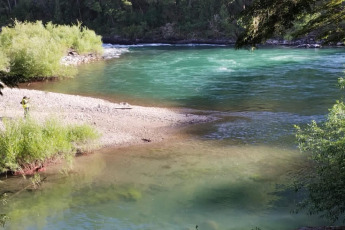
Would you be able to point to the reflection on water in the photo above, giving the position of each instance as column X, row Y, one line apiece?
column 168, row 186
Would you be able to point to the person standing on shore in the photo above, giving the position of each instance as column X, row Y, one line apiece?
column 26, row 105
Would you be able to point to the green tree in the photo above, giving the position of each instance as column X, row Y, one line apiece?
column 265, row 19
column 133, row 18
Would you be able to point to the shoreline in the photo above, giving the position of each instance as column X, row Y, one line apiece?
column 307, row 42
column 120, row 124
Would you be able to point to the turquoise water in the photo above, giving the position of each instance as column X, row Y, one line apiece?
column 234, row 173
column 216, row 78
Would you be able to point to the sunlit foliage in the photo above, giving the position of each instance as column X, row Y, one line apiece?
column 26, row 142
column 325, row 144
column 76, row 37
column 33, row 50
column 3, row 60
column 265, row 19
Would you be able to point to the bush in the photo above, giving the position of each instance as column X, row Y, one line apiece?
column 3, row 60
column 76, row 37
column 325, row 182
column 26, row 142
column 35, row 50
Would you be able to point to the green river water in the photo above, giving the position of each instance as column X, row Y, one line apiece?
column 234, row 173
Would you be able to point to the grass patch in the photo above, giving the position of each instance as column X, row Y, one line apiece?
column 3, row 60
column 26, row 143
column 76, row 37
column 35, row 50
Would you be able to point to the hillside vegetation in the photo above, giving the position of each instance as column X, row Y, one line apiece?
column 131, row 19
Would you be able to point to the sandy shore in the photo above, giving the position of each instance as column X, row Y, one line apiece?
column 119, row 124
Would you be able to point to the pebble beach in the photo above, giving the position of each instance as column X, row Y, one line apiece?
column 120, row 124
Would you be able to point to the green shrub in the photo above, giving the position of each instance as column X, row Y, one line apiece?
column 325, row 181
column 34, row 50
column 3, row 60
column 76, row 37
column 89, row 42
column 26, row 142
column 81, row 133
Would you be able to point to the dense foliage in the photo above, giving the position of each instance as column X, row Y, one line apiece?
column 187, row 19
column 26, row 142
column 325, row 144
column 265, row 19
column 134, row 18
column 34, row 50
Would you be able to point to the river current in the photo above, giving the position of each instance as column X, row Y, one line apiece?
column 233, row 173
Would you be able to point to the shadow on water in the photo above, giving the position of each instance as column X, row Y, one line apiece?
column 238, row 128
column 247, row 196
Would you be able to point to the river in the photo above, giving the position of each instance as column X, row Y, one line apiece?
column 233, row 173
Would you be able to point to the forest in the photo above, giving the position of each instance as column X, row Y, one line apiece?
column 176, row 20
column 133, row 19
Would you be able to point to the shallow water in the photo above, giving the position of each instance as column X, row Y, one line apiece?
column 234, row 173
column 169, row 186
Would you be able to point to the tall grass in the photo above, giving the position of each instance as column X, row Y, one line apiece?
column 3, row 60
column 26, row 142
column 35, row 50
column 76, row 37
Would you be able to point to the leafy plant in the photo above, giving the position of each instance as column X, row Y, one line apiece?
column 26, row 142
column 34, row 50
column 76, row 37
column 3, row 60
column 265, row 19
column 325, row 144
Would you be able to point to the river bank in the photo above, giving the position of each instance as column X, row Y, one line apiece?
column 119, row 124
column 307, row 42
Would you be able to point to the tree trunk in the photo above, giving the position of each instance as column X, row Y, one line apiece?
column 190, row 3
column 9, row 6
column 80, row 18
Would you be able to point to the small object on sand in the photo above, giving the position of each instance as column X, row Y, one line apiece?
column 124, row 104
column 146, row 140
